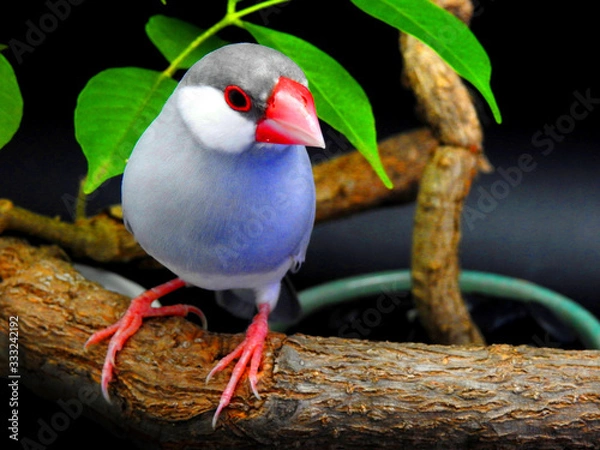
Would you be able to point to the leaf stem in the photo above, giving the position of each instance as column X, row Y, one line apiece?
column 231, row 4
column 81, row 202
column 231, row 17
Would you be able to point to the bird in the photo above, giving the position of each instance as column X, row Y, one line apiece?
column 219, row 189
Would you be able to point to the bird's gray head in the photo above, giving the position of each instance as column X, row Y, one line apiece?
column 252, row 67
column 229, row 99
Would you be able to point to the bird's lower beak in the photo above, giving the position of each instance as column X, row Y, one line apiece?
column 290, row 117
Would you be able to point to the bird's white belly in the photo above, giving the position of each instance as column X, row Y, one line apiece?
column 219, row 282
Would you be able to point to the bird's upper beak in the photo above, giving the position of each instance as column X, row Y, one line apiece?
column 290, row 117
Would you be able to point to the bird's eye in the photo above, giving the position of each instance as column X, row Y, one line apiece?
column 237, row 99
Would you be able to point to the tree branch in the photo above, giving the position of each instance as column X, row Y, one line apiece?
column 446, row 106
column 102, row 237
column 347, row 184
column 315, row 392
column 435, row 266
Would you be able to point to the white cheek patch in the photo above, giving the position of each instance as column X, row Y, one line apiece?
column 212, row 122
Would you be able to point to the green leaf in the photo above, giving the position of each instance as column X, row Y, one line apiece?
column 172, row 37
column 444, row 33
column 340, row 100
column 113, row 110
column 11, row 102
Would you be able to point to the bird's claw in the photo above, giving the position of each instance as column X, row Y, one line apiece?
column 129, row 324
column 248, row 352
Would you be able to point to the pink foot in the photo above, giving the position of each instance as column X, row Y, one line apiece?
column 131, row 321
column 250, row 350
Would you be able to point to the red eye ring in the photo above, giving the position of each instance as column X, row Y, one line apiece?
column 237, row 99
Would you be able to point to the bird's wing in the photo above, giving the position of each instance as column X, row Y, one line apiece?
column 300, row 253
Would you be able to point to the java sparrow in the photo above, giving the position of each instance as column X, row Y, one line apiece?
column 219, row 189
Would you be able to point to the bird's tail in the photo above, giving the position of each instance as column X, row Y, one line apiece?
column 242, row 303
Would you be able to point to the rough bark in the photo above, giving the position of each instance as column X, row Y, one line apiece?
column 435, row 265
column 315, row 392
column 445, row 104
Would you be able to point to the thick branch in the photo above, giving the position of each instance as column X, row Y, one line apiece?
column 445, row 104
column 435, row 265
column 315, row 392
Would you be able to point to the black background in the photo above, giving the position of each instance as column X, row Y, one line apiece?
column 544, row 229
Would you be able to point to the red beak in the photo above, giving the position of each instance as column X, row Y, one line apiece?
column 290, row 117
